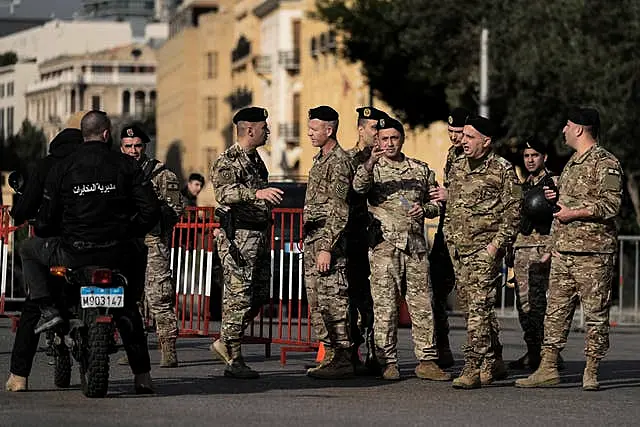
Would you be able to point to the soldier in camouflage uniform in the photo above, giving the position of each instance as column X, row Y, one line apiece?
column 481, row 221
column 240, row 183
column 360, row 301
column 443, row 277
column 326, row 211
column 583, row 245
column 397, row 188
column 532, row 276
column 159, row 287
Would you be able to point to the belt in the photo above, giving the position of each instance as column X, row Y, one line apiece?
column 82, row 245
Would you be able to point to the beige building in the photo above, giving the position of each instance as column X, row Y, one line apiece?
column 14, row 80
column 227, row 54
column 120, row 81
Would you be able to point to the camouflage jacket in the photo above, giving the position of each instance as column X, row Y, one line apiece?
column 483, row 205
column 385, row 186
column 592, row 181
column 327, row 198
column 452, row 153
column 535, row 239
column 236, row 176
column 358, row 213
column 167, row 188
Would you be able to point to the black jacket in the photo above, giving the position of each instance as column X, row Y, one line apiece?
column 98, row 197
column 64, row 143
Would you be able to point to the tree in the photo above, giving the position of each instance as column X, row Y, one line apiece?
column 422, row 58
column 23, row 148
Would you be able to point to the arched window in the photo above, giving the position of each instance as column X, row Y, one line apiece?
column 139, row 99
column 126, row 102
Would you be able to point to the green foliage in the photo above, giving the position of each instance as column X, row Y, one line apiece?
column 421, row 57
column 24, row 148
column 8, row 58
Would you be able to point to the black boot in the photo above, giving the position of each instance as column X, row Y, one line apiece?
column 49, row 318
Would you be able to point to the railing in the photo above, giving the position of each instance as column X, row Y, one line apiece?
column 290, row 60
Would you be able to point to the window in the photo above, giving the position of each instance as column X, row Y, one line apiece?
column 126, row 102
column 1, row 90
column 10, row 121
column 211, row 112
column 95, row 102
column 73, row 100
column 1, row 124
column 211, row 65
column 10, row 89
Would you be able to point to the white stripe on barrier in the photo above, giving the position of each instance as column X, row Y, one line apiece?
column 179, row 270
column 271, row 275
column 207, row 291
column 281, row 272
column 193, row 271
column 5, row 264
column 201, row 269
column 185, row 275
column 171, row 262
column 290, row 275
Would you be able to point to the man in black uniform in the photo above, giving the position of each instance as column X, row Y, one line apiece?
column 99, row 201
column 26, row 341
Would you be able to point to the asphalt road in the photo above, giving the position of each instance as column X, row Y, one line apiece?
column 196, row 394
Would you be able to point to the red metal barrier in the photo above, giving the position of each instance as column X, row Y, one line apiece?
column 198, row 275
column 7, row 254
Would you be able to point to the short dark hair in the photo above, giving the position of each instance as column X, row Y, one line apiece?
column 93, row 124
column 196, row 177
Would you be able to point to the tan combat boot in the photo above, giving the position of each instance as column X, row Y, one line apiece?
column 169, row 357
column 391, row 372
column 220, row 351
column 17, row 383
column 429, row 370
column 546, row 374
column 469, row 377
column 493, row 368
column 590, row 376
column 338, row 367
column 237, row 368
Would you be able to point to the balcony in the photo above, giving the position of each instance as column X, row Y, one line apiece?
column 262, row 64
column 290, row 132
column 127, row 79
column 290, row 60
column 52, row 83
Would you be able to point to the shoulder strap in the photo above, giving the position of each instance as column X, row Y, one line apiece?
column 148, row 169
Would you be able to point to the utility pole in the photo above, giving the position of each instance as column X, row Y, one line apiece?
column 484, row 73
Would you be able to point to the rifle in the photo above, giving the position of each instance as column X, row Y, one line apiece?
column 225, row 219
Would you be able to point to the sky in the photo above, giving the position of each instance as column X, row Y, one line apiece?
column 41, row 8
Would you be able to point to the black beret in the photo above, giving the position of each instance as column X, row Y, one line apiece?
column 584, row 116
column 535, row 144
column 390, row 123
column 482, row 125
column 370, row 113
column 251, row 114
column 134, row 131
column 458, row 117
column 324, row 113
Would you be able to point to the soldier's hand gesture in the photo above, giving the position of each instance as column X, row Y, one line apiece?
column 438, row 194
column 416, row 211
column 270, row 194
column 550, row 194
column 376, row 153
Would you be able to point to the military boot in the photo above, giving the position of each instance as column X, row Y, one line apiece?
column 338, row 367
column 590, row 376
column 169, row 357
column 237, row 368
column 17, row 383
column 445, row 356
column 429, row 370
column 546, row 374
column 470, row 376
column 220, row 351
column 391, row 372
column 493, row 367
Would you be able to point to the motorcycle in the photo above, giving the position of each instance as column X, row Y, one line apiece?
column 91, row 295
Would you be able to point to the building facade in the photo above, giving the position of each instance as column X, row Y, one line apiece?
column 120, row 81
column 227, row 54
column 14, row 80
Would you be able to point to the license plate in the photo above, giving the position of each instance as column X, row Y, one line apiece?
column 94, row 297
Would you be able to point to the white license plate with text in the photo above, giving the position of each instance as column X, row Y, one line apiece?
column 96, row 297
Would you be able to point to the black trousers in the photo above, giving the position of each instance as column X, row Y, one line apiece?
column 130, row 257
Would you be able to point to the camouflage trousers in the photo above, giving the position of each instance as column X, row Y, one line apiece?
column 395, row 273
column 360, row 300
column 159, row 288
column 584, row 278
column 327, row 295
column 476, row 281
column 246, row 286
column 532, row 278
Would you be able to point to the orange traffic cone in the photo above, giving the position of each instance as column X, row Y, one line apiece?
column 320, row 355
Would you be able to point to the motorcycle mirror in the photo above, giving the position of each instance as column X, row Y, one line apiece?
column 16, row 181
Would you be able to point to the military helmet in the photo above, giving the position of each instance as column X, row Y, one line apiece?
column 536, row 207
